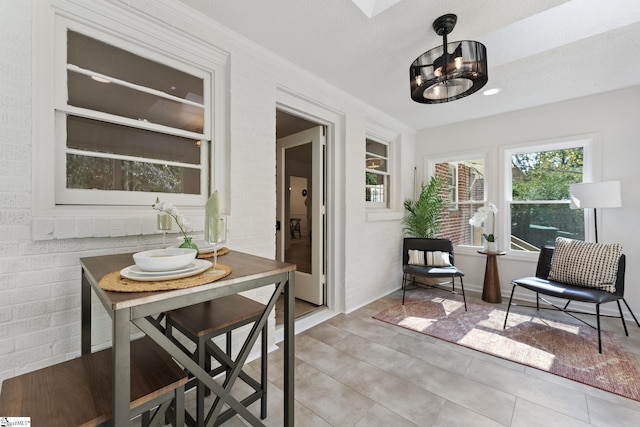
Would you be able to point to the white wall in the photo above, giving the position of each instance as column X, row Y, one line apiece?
column 40, row 277
column 613, row 116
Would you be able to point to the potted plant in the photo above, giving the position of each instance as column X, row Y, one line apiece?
column 424, row 215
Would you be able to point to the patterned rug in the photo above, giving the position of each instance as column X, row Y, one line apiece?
column 563, row 349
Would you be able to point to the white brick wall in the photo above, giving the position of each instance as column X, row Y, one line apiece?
column 39, row 268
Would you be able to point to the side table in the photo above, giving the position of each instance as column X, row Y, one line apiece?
column 491, row 287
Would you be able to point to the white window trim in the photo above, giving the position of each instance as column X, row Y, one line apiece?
column 591, row 172
column 393, row 210
column 138, row 28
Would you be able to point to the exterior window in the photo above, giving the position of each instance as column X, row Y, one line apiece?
column 539, row 199
column 130, row 127
column 452, row 184
column 377, row 173
column 466, row 193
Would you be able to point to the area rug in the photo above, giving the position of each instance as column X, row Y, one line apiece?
column 563, row 349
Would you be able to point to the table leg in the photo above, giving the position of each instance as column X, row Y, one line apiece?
column 121, row 366
column 85, row 316
column 289, row 350
column 491, row 288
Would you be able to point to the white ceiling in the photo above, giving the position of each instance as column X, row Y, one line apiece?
column 538, row 52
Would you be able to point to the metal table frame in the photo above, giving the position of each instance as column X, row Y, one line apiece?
column 249, row 272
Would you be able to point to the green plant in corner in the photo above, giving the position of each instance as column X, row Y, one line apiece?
column 424, row 215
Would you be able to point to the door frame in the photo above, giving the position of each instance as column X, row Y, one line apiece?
column 334, row 122
column 310, row 286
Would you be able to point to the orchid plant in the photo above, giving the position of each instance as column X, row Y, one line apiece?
column 480, row 218
column 172, row 211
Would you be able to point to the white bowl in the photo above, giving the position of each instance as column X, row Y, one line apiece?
column 164, row 259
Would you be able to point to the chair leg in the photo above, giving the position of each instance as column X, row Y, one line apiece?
column 632, row 315
column 404, row 286
column 201, row 390
column 537, row 301
column 624, row 325
column 464, row 298
column 506, row 316
column 263, row 374
column 598, row 320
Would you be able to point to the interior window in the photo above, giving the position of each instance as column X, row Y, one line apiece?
column 130, row 125
column 377, row 175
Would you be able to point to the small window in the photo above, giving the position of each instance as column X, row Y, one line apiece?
column 377, row 177
column 130, row 127
column 539, row 199
column 466, row 193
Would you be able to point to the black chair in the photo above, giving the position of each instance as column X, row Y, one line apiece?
column 541, row 285
column 430, row 245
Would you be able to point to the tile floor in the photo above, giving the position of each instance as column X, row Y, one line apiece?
column 356, row 371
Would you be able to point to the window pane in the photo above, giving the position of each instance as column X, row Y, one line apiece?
column 545, row 175
column 376, row 148
column 377, row 164
column 101, row 137
column 96, row 173
column 89, row 172
column 534, row 225
column 465, row 192
column 140, row 73
column 456, row 227
column 375, row 188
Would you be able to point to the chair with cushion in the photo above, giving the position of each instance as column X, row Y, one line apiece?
column 203, row 322
column 578, row 271
column 431, row 258
column 79, row 392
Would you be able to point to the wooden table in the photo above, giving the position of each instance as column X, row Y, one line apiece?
column 491, row 287
column 249, row 272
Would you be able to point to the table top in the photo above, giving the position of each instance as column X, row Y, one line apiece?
column 492, row 253
column 245, row 269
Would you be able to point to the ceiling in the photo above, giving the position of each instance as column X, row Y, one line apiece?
column 538, row 52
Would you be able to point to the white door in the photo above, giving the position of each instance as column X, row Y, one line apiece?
column 301, row 214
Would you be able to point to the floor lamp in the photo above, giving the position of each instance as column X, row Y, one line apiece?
column 595, row 195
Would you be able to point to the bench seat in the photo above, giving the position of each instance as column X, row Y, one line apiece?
column 78, row 392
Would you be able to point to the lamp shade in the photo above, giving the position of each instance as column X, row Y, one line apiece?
column 450, row 71
column 437, row 77
column 604, row 194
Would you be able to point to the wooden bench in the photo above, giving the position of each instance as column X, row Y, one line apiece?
column 79, row 392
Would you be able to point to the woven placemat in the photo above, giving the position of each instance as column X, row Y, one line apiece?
column 221, row 251
column 116, row 283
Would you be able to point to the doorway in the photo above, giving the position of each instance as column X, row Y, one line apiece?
column 301, row 222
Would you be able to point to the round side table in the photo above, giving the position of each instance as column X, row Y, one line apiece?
column 491, row 287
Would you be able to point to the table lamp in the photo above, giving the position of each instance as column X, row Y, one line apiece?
column 595, row 195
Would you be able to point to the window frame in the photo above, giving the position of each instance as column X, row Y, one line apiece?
column 393, row 209
column 591, row 167
column 66, row 196
column 456, row 157
column 139, row 30
column 386, row 175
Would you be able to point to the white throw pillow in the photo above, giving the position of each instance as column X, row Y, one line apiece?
column 592, row 265
column 416, row 257
column 437, row 259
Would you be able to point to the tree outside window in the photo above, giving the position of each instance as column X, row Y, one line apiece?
column 540, row 207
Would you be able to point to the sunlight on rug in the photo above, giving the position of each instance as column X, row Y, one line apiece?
column 564, row 349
